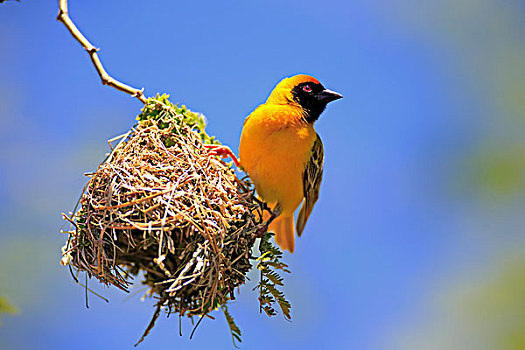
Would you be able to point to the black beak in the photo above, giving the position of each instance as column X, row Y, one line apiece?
column 327, row 96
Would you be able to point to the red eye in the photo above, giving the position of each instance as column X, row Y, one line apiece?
column 307, row 88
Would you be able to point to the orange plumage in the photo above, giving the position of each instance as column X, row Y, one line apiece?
column 282, row 153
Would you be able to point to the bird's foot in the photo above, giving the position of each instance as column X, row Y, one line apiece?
column 222, row 151
column 260, row 232
column 275, row 213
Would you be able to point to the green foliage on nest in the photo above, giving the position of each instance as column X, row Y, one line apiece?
column 160, row 108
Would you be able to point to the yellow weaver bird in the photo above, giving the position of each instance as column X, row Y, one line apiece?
column 282, row 153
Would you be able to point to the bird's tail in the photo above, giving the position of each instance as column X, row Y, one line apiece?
column 304, row 213
column 284, row 232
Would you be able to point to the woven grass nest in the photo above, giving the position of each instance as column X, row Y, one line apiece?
column 161, row 209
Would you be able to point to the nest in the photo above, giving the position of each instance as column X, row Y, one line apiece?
column 160, row 207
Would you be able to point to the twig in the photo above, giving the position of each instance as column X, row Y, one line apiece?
column 151, row 323
column 63, row 17
column 197, row 325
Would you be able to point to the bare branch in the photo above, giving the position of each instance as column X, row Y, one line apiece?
column 63, row 17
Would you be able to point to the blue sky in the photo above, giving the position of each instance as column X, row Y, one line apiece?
column 423, row 88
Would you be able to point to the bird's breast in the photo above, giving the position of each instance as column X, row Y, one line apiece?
column 274, row 149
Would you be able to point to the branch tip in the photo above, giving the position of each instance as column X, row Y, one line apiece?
column 63, row 17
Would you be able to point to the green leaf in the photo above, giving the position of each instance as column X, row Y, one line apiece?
column 235, row 331
column 269, row 263
column 169, row 142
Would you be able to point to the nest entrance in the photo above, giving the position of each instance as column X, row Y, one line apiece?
column 161, row 206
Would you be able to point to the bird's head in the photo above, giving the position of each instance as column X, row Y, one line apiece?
column 306, row 92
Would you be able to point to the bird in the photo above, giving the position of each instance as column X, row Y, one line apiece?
column 282, row 153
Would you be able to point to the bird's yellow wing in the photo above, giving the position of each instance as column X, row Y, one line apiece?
column 312, row 176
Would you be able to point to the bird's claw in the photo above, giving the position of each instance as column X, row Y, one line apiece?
column 222, row 151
